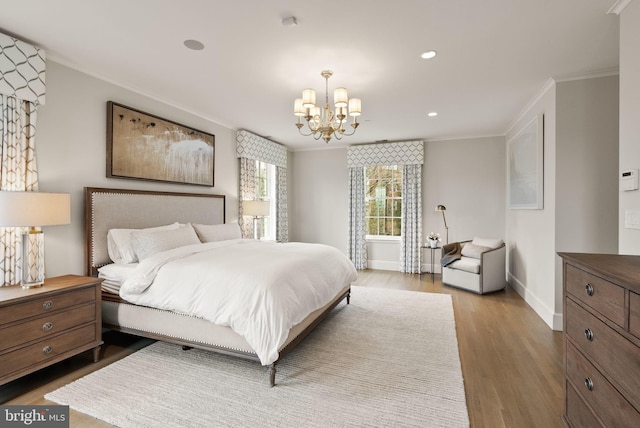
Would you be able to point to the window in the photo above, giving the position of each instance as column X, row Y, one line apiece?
column 266, row 190
column 383, row 200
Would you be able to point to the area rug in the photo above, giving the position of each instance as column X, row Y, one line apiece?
column 388, row 359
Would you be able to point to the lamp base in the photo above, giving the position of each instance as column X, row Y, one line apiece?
column 32, row 259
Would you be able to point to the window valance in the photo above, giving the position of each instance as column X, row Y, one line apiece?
column 252, row 146
column 401, row 153
column 22, row 70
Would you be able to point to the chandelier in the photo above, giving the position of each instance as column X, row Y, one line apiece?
column 322, row 122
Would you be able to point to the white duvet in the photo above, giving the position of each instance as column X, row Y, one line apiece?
column 259, row 289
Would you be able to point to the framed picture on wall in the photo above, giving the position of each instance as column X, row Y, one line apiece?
column 525, row 158
column 146, row 147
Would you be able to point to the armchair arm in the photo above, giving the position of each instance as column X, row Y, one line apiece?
column 493, row 269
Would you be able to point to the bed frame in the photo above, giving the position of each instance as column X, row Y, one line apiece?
column 134, row 209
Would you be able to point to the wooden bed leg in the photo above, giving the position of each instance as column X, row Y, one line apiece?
column 348, row 297
column 186, row 348
column 272, row 375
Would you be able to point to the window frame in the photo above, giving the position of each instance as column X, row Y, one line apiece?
column 396, row 179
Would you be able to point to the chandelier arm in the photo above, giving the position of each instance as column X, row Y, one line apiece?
column 302, row 133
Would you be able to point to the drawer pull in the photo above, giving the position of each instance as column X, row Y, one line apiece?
column 47, row 326
column 47, row 305
column 47, row 350
column 588, row 334
column 589, row 289
column 588, row 383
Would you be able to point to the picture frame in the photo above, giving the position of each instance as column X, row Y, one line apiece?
column 525, row 166
column 143, row 146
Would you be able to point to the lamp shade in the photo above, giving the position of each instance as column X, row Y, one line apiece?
column 441, row 208
column 256, row 208
column 29, row 209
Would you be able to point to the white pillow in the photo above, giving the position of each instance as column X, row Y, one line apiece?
column 218, row 232
column 116, row 273
column 473, row 251
column 146, row 244
column 119, row 242
column 488, row 242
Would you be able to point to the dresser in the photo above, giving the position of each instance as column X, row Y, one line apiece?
column 41, row 326
column 601, row 340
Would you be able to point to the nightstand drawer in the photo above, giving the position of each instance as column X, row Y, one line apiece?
column 46, row 349
column 606, row 348
column 46, row 304
column 603, row 296
column 46, row 326
column 603, row 398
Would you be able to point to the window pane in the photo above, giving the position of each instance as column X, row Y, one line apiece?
column 397, row 228
column 383, row 200
column 397, row 207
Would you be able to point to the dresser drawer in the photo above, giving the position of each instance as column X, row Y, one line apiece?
column 603, row 296
column 46, row 326
column 46, row 304
column 601, row 396
column 577, row 411
column 634, row 314
column 46, row 349
column 613, row 353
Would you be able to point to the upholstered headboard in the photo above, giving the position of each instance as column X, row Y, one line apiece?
column 137, row 209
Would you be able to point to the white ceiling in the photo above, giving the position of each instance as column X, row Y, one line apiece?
column 494, row 56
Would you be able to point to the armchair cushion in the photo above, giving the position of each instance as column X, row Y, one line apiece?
column 488, row 242
column 474, row 251
column 466, row 264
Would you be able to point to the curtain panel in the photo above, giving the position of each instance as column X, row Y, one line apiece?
column 410, row 154
column 18, row 172
column 411, row 221
column 357, row 247
column 250, row 148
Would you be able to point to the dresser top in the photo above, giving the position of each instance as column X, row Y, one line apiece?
column 14, row 292
column 622, row 269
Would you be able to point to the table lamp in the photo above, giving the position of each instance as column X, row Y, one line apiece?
column 256, row 209
column 33, row 209
column 442, row 208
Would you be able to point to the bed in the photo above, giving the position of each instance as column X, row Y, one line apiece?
column 117, row 209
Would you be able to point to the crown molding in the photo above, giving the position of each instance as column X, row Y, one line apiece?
column 590, row 75
column 548, row 85
column 618, row 6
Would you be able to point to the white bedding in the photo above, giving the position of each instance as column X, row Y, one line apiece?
column 259, row 289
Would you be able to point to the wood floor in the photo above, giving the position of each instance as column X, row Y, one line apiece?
column 511, row 360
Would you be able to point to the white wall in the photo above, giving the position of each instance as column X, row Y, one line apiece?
column 530, row 233
column 71, row 154
column 319, row 197
column 629, row 242
column 580, row 189
column 467, row 176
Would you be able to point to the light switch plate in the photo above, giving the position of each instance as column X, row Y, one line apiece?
column 632, row 219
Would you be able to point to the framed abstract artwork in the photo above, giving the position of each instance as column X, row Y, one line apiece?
column 146, row 147
column 525, row 158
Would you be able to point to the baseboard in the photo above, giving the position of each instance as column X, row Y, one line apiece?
column 552, row 319
column 383, row 265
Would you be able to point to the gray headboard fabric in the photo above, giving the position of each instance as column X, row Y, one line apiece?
column 138, row 209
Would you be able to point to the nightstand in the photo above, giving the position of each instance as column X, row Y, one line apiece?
column 45, row 325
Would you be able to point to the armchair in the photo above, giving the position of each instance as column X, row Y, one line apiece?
column 477, row 265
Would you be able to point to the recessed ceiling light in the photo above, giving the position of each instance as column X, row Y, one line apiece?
column 429, row 55
column 432, row 114
column 194, row 45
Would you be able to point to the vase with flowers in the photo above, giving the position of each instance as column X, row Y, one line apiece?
column 433, row 239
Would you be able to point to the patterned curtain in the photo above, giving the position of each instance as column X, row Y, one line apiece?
column 411, row 238
column 247, row 191
column 18, row 172
column 282, row 225
column 252, row 147
column 357, row 247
